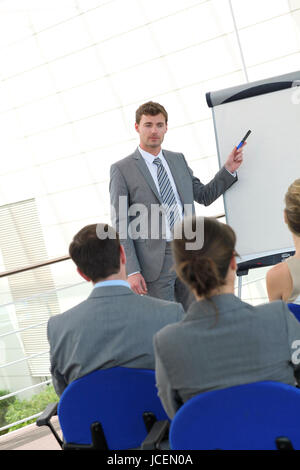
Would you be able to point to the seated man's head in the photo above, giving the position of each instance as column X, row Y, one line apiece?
column 97, row 253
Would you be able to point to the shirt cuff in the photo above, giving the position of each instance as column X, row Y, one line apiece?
column 232, row 174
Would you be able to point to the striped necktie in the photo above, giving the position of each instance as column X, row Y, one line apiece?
column 167, row 193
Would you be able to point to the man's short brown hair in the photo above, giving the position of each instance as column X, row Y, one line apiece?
column 96, row 257
column 152, row 109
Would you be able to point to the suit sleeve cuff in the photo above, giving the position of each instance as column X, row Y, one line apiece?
column 234, row 174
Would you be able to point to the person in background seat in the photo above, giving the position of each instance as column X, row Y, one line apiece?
column 113, row 326
column 222, row 341
column 283, row 279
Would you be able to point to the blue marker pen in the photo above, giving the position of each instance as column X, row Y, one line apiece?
column 243, row 140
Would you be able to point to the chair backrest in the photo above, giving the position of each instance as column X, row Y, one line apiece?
column 244, row 417
column 117, row 398
column 295, row 309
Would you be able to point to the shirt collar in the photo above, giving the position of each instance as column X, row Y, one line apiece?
column 148, row 156
column 117, row 282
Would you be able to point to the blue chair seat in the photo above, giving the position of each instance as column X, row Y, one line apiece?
column 118, row 399
column 295, row 309
column 244, row 417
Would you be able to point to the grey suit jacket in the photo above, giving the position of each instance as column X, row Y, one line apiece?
column 131, row 179
column 112, row 327
column 241, row 344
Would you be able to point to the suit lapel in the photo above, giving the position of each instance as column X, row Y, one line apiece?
column 173, row 165
column 146, row 173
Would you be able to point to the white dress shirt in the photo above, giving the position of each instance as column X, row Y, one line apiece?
column 148, row 157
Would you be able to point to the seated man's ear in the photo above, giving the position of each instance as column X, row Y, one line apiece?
column 233, row 263
column 122, row 255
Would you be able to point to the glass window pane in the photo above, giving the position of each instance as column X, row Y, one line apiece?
column 76, row 69
column 76, row 204
column 158, row 9
column 249, row 13
column 113, row 19
column 16, row 155
column 274, row 67
column 10, row 126
column 53, row 144
column 85, row 5
column 220, row 56
column 92, row 98
column 139, row 47
column 14, row 25
column 141, row 83
column 100, row 131
column 65, row 174
column 64, row 39
column 99, row 161
column 50, row 12
column 262, row 42
column 30, row 86
column 294, row 4
column 20, row 185
column 194, row 140
column 42, row 115
column 201, row 23
column 21, row 56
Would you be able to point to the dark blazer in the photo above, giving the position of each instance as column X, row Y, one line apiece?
column 112, row 327
column 131, row 179
column 211, row 350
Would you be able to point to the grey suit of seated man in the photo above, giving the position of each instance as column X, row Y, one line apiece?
column 113, row 326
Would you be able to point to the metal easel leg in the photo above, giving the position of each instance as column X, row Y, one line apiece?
column 240, row 281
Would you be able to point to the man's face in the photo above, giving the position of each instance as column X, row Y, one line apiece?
column 152, row 130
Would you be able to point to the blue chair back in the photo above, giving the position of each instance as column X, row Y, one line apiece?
column 295, row 309
column 117, row 398
column 244, row 417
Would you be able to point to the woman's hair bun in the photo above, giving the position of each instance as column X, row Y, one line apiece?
column 201, row 274
column 205, row 269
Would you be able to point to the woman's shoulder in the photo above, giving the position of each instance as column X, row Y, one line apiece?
column 278, row 270
column 278, row 280
column 277, row 273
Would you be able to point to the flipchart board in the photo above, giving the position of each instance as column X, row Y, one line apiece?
column 254, row 205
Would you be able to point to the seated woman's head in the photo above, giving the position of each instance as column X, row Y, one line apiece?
column 209, row 269
column 292, row 207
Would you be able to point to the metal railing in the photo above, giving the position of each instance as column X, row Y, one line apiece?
column 34, row 266
column 20, row 330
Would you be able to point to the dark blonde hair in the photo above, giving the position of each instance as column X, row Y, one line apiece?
column 150, row 109
column 292, row 207
column 205, row 269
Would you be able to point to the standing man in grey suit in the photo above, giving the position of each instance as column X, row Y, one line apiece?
column 150, row 177
column 113, row 326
